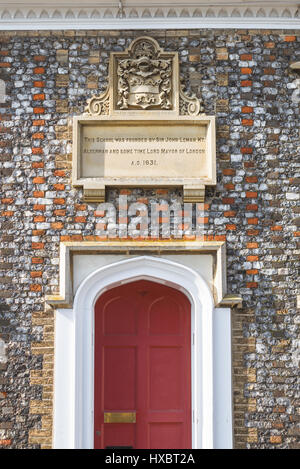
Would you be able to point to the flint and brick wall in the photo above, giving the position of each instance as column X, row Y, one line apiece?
column 244, row 79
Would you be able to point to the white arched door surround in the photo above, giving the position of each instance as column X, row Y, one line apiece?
column 76, row 328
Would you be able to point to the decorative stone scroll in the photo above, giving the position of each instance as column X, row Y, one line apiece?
column 144, row 130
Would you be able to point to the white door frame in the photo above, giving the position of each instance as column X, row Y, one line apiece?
column 76, row 328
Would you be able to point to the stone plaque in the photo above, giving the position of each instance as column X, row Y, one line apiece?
column 144, row 131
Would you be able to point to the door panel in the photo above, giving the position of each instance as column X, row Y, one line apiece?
column 142, row 367
column 165, row 378
column 119, row 367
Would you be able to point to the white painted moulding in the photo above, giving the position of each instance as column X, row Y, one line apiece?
column 147, row 14
column 64, row 299
column 211, row 354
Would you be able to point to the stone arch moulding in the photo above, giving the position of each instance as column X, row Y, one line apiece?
column 74, row 361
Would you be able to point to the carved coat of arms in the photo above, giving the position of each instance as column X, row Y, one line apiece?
column 144, row 79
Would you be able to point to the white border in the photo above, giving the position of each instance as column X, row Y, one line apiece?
column 74, row 356
column 147, row 14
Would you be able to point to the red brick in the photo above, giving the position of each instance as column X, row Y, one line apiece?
column 59, row 187
column 276, row 228
column 7, row 213
column 38, row 122
column 251, row 272
column 38, row 136
column 59, row 212
column 35, row 274
column 38, row 70
column 37, row 260
column 38, row 232
column 7, row 201
column 80, row 219
column 252, row 284
column 252, row 221
column 39, row 58
column 37, row 245
column 203, row 220
column 275, row 439
column 228, row 200
column 39, row 84
column 59, row 173
column 252, row 207
column 251, row 179
column 37, row 151
column 35, row 287
column 39, row 97
column 5, row 442
column 71, row 238
column 246, row 83
column 246, row 150
column 59, row 201
column 246, row 57
column 251, row 195
column 269, row 71
column 39, row 207
column 5, row 64
column 80, row 207
column 247, row 109
column 161, row 191
column 246, row 71
column 220, row 238
column 248, row 122
column 38, row 180
column 231, row 227
column 38, row 194
column 290, row 38
column 229, row 186
column 230, row 213
column 229, row 172
column 252, row 245
column 252, row 258
column 38, row 110
column 125, row 191
column 39, row 219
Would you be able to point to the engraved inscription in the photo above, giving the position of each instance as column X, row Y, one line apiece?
column 139, row 150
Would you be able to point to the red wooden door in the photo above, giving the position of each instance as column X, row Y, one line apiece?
column 143, row 365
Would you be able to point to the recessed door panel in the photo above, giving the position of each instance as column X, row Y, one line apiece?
column 120, row 317
column 170, row 321
column 119, row 369
column 166, row 387
column 142, row 367
column 166, row 435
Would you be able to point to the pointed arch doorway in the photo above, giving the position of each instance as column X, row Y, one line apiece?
column 142, row 384
column 75, row 355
